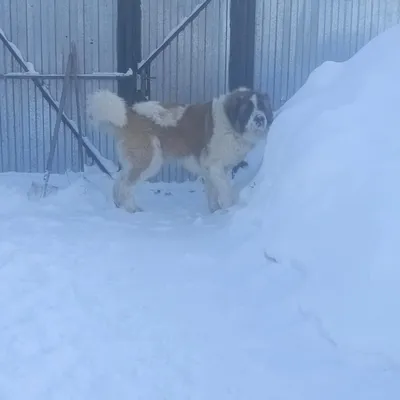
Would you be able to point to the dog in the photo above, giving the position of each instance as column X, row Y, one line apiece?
column 209, row 138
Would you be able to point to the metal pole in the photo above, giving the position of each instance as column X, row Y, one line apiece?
column 54, row 138
column 78, row 105
column 94, row 76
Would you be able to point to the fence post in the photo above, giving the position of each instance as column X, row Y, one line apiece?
column 242, row 43
column 129, row 46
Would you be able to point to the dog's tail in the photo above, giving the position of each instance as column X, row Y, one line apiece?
column 105, row 106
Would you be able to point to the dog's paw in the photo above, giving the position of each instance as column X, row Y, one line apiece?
column 213, row 204
column 225, row 202
column 130, row 208
column 133, row 209
column 213, row 207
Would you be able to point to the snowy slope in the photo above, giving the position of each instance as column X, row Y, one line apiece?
column 328, row 198
column 168, row 304
column 175, row 304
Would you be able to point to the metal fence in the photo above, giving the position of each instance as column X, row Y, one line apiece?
column 195, row 66
column 292, row 38
column 192, row 68
column 43, row 31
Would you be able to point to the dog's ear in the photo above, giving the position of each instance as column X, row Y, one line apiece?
column 268, row 107
column 238, row 108
column 232, row 108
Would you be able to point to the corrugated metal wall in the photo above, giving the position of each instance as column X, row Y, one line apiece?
column 42, row 30
column 195, row 66
column 293, row 37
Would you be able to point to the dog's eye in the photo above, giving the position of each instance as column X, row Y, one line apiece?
column 247, row 107
column 261, row 105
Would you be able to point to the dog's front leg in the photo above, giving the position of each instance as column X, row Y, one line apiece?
column 212, row 195
column 220, row 182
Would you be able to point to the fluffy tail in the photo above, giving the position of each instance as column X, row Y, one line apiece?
column 105, row 106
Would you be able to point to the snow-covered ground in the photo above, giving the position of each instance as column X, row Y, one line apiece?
column 292, row 295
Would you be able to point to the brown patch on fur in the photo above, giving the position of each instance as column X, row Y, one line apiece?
column 135, row 142
column 233, row 104
column 236, row 98
column 192, row 133
column 189, row 137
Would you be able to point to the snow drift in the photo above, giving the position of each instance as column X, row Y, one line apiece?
column 174, row 303
column 328, row 197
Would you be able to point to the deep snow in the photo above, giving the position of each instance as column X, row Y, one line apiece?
column 328, row 198
column 291, row 295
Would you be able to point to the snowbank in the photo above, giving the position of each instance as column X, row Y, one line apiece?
column 176, row 303
column 328, row 197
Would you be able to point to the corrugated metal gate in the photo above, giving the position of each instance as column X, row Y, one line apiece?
column 194, row 67
column 43, row 30
column 292, row 38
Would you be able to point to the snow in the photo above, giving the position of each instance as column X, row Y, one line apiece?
column 31, row 68
column 289, row 295
column 129, row 72
column 16, row 50
column 327, row 201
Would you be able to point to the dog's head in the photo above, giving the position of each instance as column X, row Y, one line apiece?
column 249, row 112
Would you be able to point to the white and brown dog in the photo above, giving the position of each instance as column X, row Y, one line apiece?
column 209, row 138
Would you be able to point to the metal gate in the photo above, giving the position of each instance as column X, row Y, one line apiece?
column 190, row 65
column 185, row 46
column 43, row 30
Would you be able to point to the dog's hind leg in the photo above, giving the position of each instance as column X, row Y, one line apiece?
column 138, row 164
column 123, row 188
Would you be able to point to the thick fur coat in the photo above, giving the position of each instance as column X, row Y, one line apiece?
column 209, row 138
